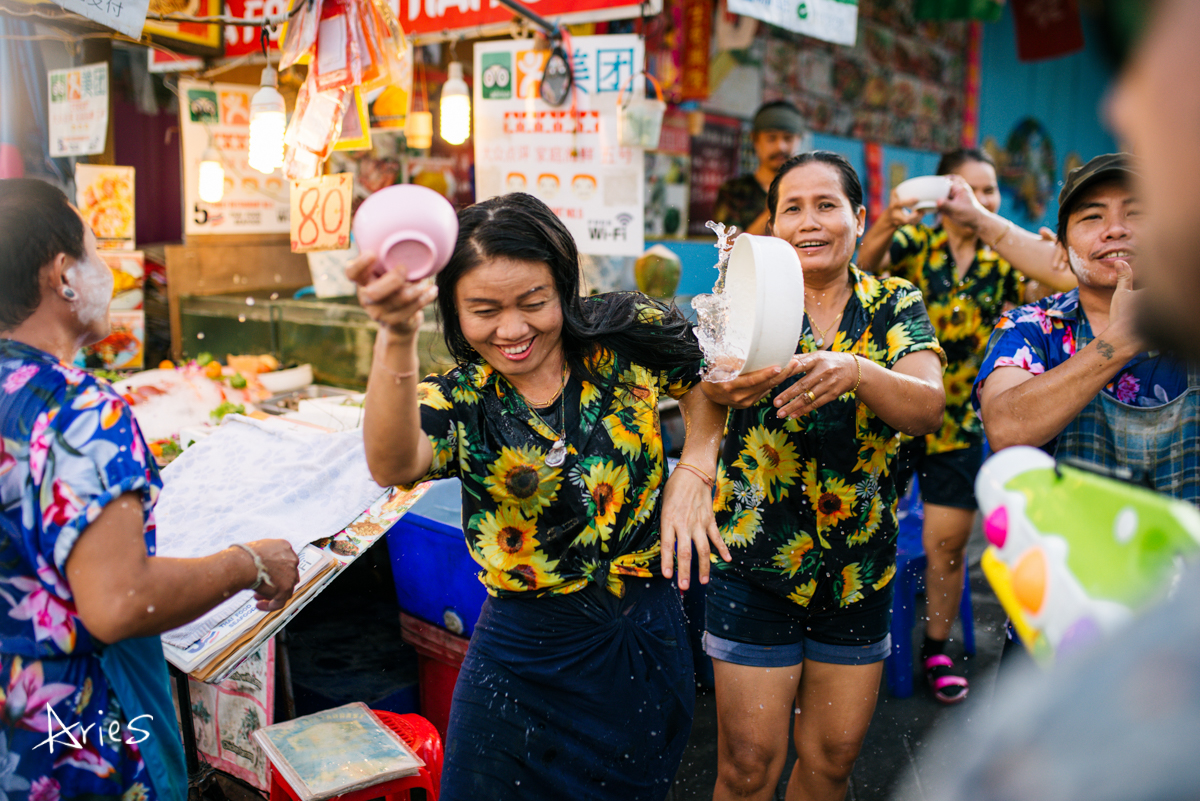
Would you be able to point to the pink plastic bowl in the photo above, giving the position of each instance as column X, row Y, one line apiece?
column 409, row 227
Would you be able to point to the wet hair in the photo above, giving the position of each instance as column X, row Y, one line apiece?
column 520, row 227
column 851, row 186
column 954, row 159
column 36, row 224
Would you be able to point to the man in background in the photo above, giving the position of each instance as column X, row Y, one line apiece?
column 776, row 135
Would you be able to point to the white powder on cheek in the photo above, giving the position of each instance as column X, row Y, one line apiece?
column 93, row 282
column 1083, row 272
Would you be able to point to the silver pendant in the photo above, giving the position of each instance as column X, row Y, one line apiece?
column 558, row 454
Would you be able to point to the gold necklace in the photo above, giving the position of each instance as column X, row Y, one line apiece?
column 558, row 450
column 813, row 323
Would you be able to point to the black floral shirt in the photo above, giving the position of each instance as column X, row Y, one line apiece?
column 550, row 530
column 740, row 201
column 809, row 501
column 963, row 313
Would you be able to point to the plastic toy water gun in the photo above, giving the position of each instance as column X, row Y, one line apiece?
column 1074, row 555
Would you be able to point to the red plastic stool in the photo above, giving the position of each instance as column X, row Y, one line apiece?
column 421, row 737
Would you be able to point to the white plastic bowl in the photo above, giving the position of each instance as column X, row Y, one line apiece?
column 280, row 381
column 765, row 290
column 927, row 190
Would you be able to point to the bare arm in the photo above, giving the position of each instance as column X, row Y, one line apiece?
column 121, row 592
column 759, row 226
column 909, row 397
column 874, row 253
column 398, row 452
column 1020, row 408
column 1030, row 253
column 687, row 512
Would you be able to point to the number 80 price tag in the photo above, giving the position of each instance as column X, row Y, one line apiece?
column 321, row 213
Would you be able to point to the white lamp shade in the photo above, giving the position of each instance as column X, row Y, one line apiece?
column 212, row 177
column 418, row 130
column 455, row 107
column 268, row 120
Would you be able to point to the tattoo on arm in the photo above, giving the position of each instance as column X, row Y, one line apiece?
column 1106, row 350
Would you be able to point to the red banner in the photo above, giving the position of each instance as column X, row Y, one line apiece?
column 1047, row 28
column 435, row 16
column 697, row 37
column 243, row 39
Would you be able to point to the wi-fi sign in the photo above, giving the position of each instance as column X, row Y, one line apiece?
column 624, row 219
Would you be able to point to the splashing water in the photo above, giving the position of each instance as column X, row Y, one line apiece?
column 722, row 361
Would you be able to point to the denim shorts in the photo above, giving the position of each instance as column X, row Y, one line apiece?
column 748, row 625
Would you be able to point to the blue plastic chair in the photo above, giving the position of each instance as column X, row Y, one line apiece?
column 908, row 582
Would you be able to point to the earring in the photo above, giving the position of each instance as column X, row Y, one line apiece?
column 69, row 293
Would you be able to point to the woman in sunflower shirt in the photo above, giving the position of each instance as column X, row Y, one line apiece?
column 961, row 269
column 806, row 502
column 551, row 422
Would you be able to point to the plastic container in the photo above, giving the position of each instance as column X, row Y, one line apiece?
column 765, row 288
column 440, row 656
column 436, row 578
column 927, row 190
column 640, row 119
column 408, row 227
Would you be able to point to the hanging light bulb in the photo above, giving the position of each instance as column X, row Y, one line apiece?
column 418, row 130
column 268, row 119
column 212, row 176
column 455, row 107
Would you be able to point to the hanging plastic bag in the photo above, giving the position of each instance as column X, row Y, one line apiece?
column 315, row 127
column 336, row 48
column 301, row 36
column 639, row 119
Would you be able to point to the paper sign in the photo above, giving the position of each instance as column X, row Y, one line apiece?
column 126, row 16
column 566, row 156
column 829, row 20
column 242, row 40
column 217, row 115
column 104, row 195
column 321, row 213
column 163, row 61
column 78, row 110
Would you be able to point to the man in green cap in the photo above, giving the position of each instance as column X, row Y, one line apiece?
column 742, row 201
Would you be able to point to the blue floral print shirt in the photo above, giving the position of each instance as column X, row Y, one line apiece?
column 1041, row 336
column 69, row 447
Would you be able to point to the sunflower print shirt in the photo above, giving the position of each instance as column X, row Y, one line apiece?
column 69, row 447
column 963, row 312
column 550, row 530
column 811, row 503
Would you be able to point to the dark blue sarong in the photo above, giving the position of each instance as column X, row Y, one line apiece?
column 579, row 696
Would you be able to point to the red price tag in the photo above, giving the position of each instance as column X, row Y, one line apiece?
column 321, row 213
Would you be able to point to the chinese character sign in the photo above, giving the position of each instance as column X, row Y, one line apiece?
column 829, row 20
column 218, row 115
column 126, row 16
column 78, row 110
column 568, row 157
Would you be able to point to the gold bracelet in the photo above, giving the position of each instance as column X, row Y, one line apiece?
column 705, row 477
column 859, row 365
column 1007, row 227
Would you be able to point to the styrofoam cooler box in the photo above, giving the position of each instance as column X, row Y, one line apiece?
column 436, row 578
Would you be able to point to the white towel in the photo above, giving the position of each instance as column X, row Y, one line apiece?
column 254, row 480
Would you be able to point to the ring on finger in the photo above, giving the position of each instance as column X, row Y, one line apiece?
column 811, row 397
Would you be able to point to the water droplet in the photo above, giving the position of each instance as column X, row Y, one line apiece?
column 274, row 296
column 249, row 301
column 200, row 335
column 241, row 318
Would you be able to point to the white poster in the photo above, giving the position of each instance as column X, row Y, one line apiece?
column 218, row 115
column 78, row 110
column 829, row 20
column 126, row 16
column 569, row 160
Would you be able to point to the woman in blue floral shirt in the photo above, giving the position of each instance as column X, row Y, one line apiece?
column 87, row 710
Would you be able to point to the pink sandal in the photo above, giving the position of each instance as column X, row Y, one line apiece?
column 947, row 687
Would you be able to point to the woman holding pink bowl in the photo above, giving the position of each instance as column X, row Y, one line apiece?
column 551, row 422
